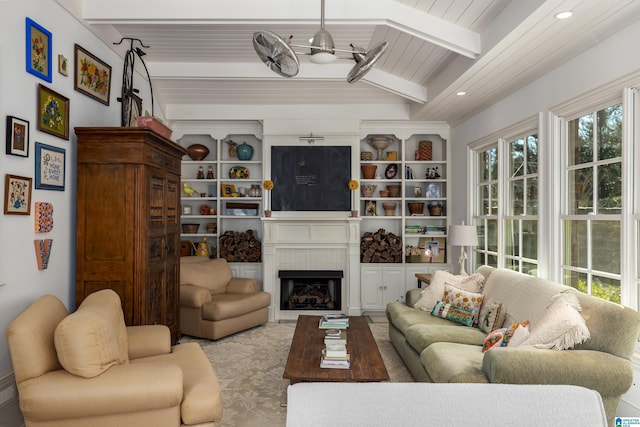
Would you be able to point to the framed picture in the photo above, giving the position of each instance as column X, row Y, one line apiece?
column 433, row 190
column 50, row 167
column 91, row 75
column 227, row 190
column 63, row 65
column 38, row 44
column 435, row 249
column 17, row 195
column 53, row 112
column 17, row 137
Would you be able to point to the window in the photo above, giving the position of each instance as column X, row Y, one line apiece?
column 521, row 219
column 591, row 259
column 486, row 210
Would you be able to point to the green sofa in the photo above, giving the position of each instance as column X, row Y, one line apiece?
column 441, row 351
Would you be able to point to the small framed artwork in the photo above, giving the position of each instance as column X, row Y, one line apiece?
column 63, row 65
column 50, row 167
column 53, row 112
column 17, row 137
column 433, row 190
column 227, row 190
column 435, row 249
column 91, row 75
column 17, row 195
column 38, row 44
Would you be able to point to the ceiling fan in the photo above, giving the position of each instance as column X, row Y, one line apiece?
column 279, row 56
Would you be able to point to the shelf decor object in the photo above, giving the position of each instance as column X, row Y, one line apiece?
column 197, row 152
column 380, row 143
column 463, row 235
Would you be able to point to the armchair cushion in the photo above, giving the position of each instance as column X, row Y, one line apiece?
column 240, row 285
column 94, row 338
column 213, row 275
column 226, row 306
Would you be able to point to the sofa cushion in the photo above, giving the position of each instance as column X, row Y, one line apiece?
column 226, row 306
column 435, row 291
column 455, row 314
column 212, row 274
column 202, row 398
column 561, row 326
column 448, row 362
column 404, row 317
column 422, row 336
column 94, row 338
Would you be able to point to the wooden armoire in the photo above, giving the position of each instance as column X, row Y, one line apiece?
column 128, row 222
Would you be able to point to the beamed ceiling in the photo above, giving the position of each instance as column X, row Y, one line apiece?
column 201, row 56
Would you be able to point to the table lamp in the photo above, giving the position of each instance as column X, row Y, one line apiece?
column 463, row 235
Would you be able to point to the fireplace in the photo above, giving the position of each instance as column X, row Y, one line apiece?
column 310, row 289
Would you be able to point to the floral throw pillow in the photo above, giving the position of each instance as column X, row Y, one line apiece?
column 512, row 336
column 461, row 298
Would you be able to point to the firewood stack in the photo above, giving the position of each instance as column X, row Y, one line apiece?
column 380, row 247
column 238, row 246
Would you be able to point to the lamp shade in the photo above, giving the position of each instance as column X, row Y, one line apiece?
column 463, row 235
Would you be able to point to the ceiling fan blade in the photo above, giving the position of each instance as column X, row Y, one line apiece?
column 276, row 53
column 365, row 62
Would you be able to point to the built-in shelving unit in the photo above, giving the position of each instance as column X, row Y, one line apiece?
column 222, row 202
column 420, row 178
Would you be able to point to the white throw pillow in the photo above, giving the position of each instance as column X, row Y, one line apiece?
column 561, row 326
column 435, row 291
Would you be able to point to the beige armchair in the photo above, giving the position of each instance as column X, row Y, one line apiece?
column 213, row 304
column 89, row 369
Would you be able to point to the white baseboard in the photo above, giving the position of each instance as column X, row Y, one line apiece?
column 10, row 415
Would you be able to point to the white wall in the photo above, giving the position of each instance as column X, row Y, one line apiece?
column 606, row 62
column 18, row 269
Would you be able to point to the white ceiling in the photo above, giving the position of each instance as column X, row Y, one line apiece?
column 201, row 51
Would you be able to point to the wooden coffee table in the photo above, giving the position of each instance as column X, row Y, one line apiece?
column 303, row 363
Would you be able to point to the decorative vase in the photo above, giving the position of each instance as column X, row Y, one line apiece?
column 197, row 151
column 435, row 210
column 254, row 191
column 379, row 143
column 244, row 151
column 425, row 150
column 394, row 190
column 416, row 208
column 389, row 208
column 368, row 189
column 368, row 171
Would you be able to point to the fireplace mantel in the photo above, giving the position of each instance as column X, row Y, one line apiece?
column 311, row 243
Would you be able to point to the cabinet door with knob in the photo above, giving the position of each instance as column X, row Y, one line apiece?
column 381, row 285
column 128, row 219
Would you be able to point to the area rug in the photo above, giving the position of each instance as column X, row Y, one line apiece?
column 250, row 365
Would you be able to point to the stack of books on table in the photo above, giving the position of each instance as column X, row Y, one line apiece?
column 335, row 336
column 334, row 321
column 335, row 356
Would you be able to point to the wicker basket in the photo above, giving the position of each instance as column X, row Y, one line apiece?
column 435, row 210
column 190, row 228
column 425, row 150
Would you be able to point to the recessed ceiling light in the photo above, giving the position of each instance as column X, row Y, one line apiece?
column 461, row 93
column 564, row 15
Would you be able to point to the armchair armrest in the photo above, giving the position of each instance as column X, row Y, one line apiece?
column 148, row 340
column 194, row 296
column 239, row 285
column 59, row 395
column 412, row 296
column 608, row 374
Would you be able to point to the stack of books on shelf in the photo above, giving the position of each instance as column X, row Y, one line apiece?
column 429, row 229
column 413, row 229
column 334, row 354
column 334, row 321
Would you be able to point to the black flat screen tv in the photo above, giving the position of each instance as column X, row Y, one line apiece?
column 311, row 178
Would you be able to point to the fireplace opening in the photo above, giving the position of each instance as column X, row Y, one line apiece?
column 310, row 289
